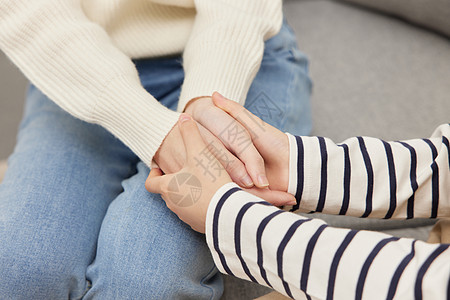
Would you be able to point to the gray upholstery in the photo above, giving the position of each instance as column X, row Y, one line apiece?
column 373, row 75
column 433, row 14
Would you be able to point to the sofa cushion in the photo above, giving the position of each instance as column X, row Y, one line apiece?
column 433, row 14
column 373, row 75
column 3, row 167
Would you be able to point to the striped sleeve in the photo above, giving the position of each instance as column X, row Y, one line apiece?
column 369, row 177
column 307, row 259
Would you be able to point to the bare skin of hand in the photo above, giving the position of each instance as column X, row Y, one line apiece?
column 192, row 207
column 194, row 214
column 234, row 146
column 171, row 156
column 232, row 134
column 271, row 143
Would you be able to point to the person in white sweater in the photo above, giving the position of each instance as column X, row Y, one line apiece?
column 305, row 258
column 109, row 80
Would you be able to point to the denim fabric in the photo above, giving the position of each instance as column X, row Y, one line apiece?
column 75, row 218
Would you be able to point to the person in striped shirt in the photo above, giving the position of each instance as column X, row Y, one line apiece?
column 305, row 258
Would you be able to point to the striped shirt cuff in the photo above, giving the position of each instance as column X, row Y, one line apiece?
column 369, row 177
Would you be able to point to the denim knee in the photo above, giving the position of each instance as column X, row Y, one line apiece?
column 145, row 252
column 164, row 282
column 29, row 274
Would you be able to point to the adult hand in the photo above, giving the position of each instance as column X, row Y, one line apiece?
column 171, row 156
column 233, row 135
column 188, row 192
column 271, row 143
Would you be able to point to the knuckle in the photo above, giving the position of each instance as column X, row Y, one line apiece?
column 242, row 142
column 236, row 108
column 235, row 166
column 258, row 160
column 148, row 185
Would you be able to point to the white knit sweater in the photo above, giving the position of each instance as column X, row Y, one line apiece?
column 78, row 52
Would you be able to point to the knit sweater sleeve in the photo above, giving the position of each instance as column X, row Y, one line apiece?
column 72, row 61
column 369, row 177
column 226, row 46
column 307, row 259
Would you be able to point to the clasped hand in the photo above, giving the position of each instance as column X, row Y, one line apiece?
column 215, row 142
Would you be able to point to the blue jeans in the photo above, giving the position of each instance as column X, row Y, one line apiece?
column 75, row 218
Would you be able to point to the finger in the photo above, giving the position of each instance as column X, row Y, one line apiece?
column 236, row 139
column 254, row 163
column 232, row 165
column 254, row 125
column 191, row 136
column 154, row 181
column 276, row 198
column 265, row 137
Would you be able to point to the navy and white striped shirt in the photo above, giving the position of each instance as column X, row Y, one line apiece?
column 307, row 259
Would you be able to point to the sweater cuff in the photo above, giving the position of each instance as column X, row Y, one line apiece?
column 293, row 167
column 134, row 116
column 229, row 71
column 304, row 167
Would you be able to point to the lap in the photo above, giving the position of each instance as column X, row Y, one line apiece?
column 144, row 249
column 60, row 180
column 69, row 180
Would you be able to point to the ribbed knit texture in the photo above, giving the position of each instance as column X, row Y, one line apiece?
column 78, row 53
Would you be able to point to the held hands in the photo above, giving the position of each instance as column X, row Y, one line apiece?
column 181, row 190
column 189, row 191
column 271, row 143
column 232, row 145
column 235, row 138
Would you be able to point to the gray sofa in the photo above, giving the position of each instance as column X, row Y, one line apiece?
column 374, row 74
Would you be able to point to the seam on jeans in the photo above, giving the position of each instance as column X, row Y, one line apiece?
column 290, row 91
column 288, row 94
column 88, row 287
column 214, row 268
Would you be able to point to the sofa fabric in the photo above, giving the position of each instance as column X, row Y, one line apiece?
column 373, row 75
column 432, row 14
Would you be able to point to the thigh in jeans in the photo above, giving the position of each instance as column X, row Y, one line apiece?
column 61, row 178
column 144, row 250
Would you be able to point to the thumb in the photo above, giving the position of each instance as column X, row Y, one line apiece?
column 154, row 181
column 277, row 198
column 192, row 139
